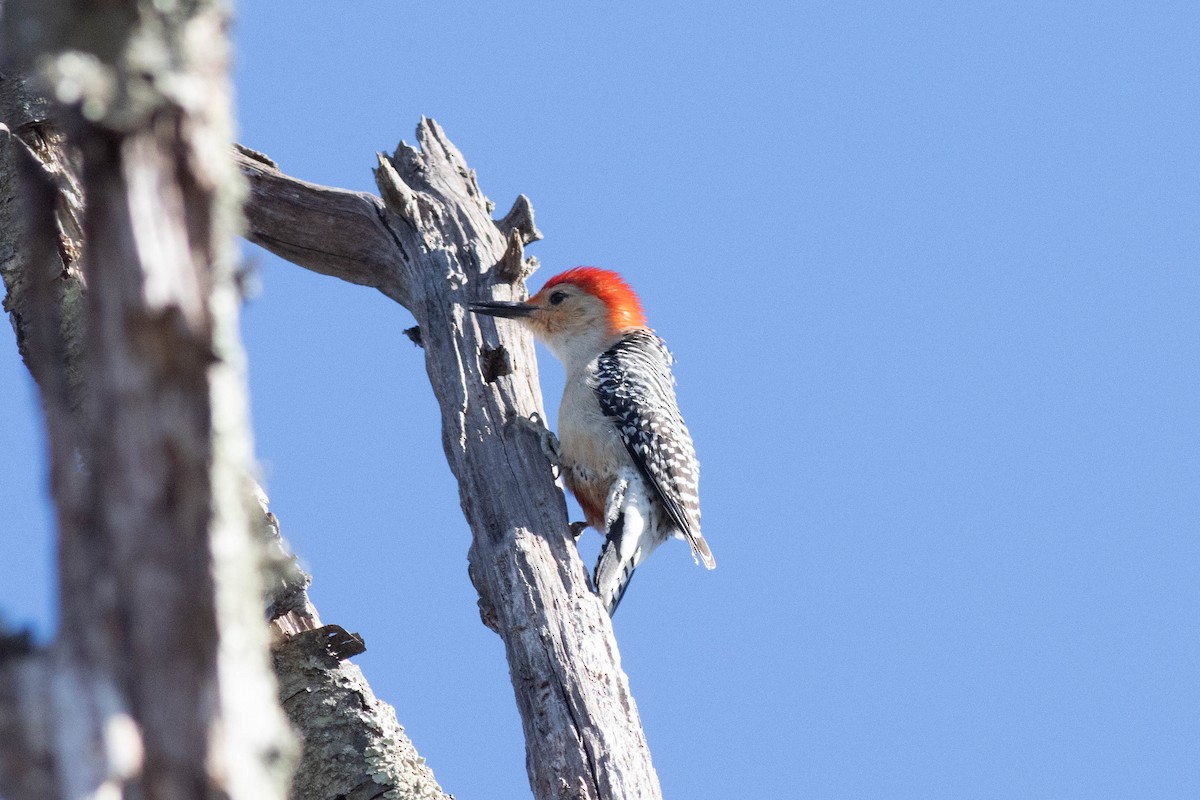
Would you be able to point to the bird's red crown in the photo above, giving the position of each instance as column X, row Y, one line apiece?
column 624, row 307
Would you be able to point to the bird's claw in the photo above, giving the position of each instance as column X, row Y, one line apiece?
column 546, row 440
column 577, row 529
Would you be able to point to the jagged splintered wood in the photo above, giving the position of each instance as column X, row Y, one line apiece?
column 431, row 245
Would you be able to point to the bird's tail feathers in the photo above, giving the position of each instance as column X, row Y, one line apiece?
column 612, row 576
column 700, row 548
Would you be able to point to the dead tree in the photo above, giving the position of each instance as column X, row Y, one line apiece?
column 432, row 246
column 353, row 744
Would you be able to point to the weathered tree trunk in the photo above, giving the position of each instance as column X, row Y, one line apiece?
column 353, row 745
column 432, row 246
column 158, row 685
column 44, row 299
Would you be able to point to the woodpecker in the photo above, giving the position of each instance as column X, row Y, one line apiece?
column 626, row 453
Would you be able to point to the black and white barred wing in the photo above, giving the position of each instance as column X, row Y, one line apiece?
column 636, row 389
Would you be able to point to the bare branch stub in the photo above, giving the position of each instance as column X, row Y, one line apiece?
column 582, row 731
column 397, row 194
column 520, row 218
column 329, row 641
column 263, row 158
column 513, row 265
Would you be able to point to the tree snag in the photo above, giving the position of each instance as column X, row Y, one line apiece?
column 431, row 245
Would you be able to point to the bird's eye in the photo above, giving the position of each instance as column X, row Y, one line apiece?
column 557, row 298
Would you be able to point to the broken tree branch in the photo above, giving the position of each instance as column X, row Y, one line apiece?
column 330, row 231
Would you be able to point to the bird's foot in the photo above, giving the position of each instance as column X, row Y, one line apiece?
column 577, row 529
column 546, row 439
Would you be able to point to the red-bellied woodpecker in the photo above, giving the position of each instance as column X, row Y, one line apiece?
column 626, row 453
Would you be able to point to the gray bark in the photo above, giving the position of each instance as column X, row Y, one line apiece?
column 39, row 260
column 354, row 746
column 432, row 246
column 27, row 770
column 158, row 685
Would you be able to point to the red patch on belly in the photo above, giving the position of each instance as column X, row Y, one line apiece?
column 591, row 497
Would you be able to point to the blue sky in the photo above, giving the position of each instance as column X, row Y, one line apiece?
column 932, row 278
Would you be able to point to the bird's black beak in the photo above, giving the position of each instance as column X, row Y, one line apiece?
column 500, row 308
